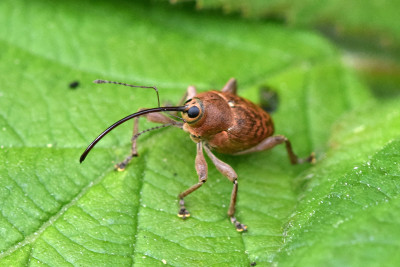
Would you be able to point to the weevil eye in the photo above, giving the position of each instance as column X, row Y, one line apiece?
column 193, row 112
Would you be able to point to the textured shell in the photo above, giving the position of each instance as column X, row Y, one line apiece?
column 232, row 123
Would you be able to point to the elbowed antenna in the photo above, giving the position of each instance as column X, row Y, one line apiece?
column 130, row 85
column 137, row 114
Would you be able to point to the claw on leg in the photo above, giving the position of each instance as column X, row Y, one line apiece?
column 311, row 158
column 183, row 212
column 239, row 226
column 122, row 165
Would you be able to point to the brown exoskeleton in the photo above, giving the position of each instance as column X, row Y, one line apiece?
column 216, row 120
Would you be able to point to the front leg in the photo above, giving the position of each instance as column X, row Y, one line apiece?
column 201, row 168
column 229, row 173
column 152, row 117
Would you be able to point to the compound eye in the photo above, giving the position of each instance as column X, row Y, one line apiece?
column 193, row 112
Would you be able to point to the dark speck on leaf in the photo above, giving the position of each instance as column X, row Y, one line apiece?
column 74, row 85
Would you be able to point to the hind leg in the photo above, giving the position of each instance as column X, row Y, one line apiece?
column 271, row 142
column 229, row 173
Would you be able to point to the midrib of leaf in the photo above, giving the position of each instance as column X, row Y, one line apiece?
column 142, row 171
column 33, row 236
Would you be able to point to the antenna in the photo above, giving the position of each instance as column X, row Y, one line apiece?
column 137, row 114
column 130, row 85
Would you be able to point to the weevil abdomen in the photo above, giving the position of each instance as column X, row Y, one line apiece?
column 250, row 126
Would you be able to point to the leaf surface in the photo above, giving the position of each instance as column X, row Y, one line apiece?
column 347, row 214
column 57, row 212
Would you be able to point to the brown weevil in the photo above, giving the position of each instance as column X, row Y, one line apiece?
column 216, row 120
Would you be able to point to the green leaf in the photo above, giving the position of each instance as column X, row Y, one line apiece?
column 55, row 211
column 348, row 213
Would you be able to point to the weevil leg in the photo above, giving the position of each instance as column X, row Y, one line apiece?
column 157, row 118
column 230, row 86
column 229, row 173
column 272, row 141
column 190, row 93
column 153, row 117
column 201, row 169
column 121, row 166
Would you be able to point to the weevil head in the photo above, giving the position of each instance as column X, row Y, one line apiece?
column 206, row 114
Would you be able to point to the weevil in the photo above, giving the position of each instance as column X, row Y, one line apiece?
column 218, row 121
